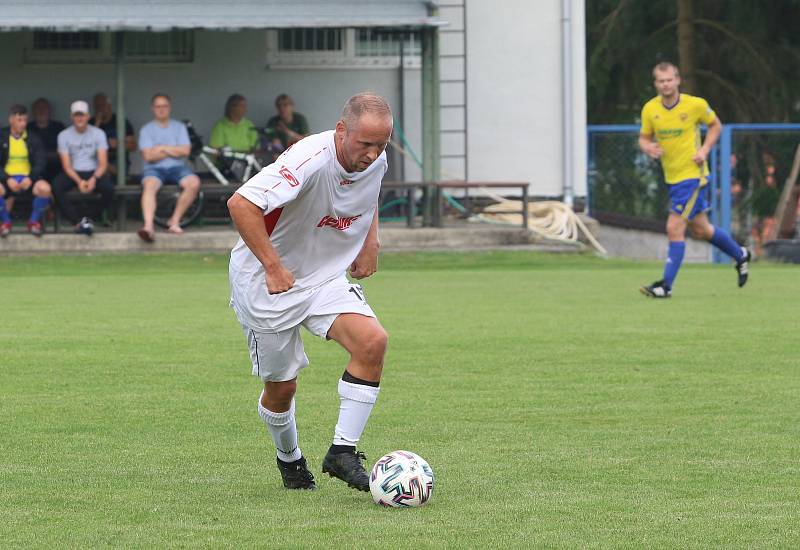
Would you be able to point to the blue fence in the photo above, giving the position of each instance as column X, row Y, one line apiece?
column 630, row 172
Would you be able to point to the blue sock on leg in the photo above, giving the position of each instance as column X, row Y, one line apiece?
column 722, row 240
column 5, row 215
column 40, row 204
column 674, row 259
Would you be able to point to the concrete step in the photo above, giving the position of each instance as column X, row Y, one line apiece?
column 393, row 238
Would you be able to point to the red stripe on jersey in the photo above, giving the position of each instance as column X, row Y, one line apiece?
column 311, row 157
column 271, row 220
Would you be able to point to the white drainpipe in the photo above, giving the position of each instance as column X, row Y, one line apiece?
column 567, row 101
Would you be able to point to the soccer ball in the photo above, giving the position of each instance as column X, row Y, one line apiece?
column 401, row 479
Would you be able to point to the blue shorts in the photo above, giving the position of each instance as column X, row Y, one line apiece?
column 172, row 174
column 688, row 198
column 16, row 178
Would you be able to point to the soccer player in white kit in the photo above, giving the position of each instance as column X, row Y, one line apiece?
column 305, row 221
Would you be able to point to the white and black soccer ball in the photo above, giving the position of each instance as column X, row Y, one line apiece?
column 401, row 479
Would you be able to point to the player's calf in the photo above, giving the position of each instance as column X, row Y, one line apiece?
column 357, row 397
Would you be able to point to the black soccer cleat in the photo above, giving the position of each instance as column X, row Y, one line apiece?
column 347, row 467
column 742, row 267
column 656, row 290
column 296, row 475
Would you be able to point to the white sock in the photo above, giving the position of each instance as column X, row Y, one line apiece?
column 355, row 407
column 283, row 430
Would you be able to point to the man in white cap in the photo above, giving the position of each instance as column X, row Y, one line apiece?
column 83, row 150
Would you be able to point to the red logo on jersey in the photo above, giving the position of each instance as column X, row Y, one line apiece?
column 337, row 223
column 288, row 176
column 345, row 182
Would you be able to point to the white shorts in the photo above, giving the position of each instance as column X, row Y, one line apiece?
column 279, row 356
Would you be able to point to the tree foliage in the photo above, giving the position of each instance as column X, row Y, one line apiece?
column 744, row 57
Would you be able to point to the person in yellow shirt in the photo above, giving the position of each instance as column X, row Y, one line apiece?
column 234, row 130
column 670, row 132
column 22, row 169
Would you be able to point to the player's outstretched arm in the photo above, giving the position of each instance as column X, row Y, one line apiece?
column 366, row 263
column 249, row 221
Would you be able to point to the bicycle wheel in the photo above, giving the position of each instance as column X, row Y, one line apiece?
column 165, row 205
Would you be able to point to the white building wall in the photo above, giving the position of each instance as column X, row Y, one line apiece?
column 514, row 94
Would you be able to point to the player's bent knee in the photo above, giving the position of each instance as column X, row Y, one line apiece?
column 704, row 233
column 281, row 392
column 676, row 230
column 372, row 346
column 42, row 189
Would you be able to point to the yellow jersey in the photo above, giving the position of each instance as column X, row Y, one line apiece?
column 19, row 163
column 677, row 131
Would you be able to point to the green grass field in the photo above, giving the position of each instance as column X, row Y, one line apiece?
column 556, row 405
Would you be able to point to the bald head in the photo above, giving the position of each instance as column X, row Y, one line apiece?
column 361, row 104
column 363, row 132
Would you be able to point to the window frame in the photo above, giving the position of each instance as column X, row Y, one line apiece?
column 346, row 57
column 104, row 54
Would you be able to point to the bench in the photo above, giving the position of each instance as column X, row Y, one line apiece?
column 212, row 190
column 124, row 195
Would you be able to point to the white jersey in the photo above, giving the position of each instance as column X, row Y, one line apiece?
column 317, row 217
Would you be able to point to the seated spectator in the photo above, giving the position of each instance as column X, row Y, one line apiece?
column 287, row 127
column 233, row 130
column 22, row 166
column 48, row 131
column 105, row 119
column 84, row 158
column 165, row 144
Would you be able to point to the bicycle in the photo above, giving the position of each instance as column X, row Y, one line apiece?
column 233, row 167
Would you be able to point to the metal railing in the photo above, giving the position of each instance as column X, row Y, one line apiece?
column 626, row 187
column 424, row 192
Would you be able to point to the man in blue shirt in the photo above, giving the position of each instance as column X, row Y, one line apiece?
column 164, row 144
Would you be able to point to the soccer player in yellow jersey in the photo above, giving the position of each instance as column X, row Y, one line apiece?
column 670, row 133
column 22, row 169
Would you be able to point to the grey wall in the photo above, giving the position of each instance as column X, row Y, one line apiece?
column 225, row 62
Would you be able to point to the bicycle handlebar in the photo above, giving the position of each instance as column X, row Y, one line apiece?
column 227, row 153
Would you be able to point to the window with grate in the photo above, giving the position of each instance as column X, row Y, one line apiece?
column 67, row 47
column 66, row 40
column 375, row 43
column 159, row 47
column 304, row 40
column 98, row 47
column 356, row 48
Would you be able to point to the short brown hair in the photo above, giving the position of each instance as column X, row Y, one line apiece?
column 665, row 66
column 283, row 97
column 160, row 94
column 17, row 109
